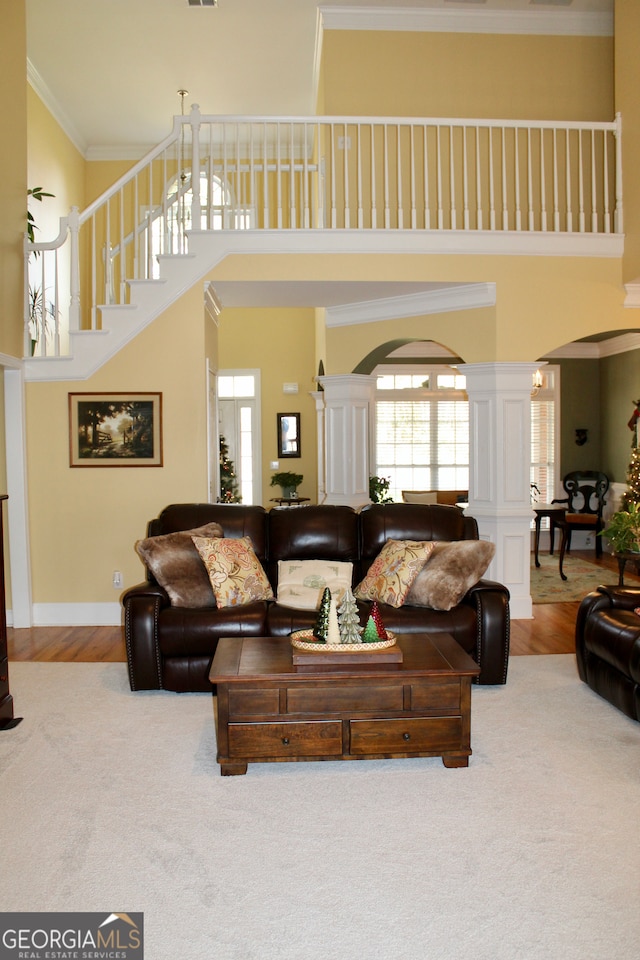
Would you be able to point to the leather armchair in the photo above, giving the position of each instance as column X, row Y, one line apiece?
column 608, row 646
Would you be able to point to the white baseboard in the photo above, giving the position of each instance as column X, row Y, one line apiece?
column 77, row 614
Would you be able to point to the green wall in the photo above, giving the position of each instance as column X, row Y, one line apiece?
column 620, row 386
column 580, row 408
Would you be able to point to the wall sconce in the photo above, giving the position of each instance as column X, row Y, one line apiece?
column 581, row 437
column 537, row 383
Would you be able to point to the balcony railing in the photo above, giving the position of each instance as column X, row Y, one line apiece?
column 316, row 174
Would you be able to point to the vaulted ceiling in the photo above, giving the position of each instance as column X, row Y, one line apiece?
column 109, row 70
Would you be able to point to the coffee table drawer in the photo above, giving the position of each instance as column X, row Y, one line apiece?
column 410, row 735
column 345, row 698
column 304, row 739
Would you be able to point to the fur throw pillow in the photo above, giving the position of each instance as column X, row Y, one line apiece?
column 176, row 565
column 451, row 570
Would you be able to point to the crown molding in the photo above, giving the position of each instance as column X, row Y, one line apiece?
column 625, row 343
column 55, row 109
column 464, row 296
column 431, row 20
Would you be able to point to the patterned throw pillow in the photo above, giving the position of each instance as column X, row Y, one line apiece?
column 392, row 573
column 235, row 573
column 301, row 583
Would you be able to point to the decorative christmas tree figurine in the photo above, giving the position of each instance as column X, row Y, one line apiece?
column 370, row 634
column 333, row 631
column 377, row 619
column 348, row 620
column 321, row 629
column 228, row 482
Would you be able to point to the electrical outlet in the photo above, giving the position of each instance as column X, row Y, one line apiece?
column 344, row 143
column 117, row 580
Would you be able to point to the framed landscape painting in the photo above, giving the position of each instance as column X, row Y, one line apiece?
column 115, row 429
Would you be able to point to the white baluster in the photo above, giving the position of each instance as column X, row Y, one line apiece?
column 492, row 201
column 503, row 166
column 400, row 200
column 556, row 209
column 619, row 214
column 374, row 208
column 594, row 202
column 581, row 219
column 516, row 153
column 530, row 181
column 439, row 179
column 569, row 185
column 465, row 179
column 479, row 218
column 452, row 181
column 427, row 208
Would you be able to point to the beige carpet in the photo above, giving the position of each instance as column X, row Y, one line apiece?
column 112, row 801
column 582, row 577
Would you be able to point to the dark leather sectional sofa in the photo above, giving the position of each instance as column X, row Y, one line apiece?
column 172, row 647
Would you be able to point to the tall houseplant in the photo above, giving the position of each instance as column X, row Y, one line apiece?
column 42, row 313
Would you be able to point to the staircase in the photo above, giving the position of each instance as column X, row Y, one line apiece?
column 310, row 185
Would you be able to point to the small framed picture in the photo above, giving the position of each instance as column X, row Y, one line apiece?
column 288, row 434
column 115, row 429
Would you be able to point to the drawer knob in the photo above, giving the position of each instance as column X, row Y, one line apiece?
column 406, row 736
column 285, row 741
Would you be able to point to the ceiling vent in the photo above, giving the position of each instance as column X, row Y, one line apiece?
column 203, row 3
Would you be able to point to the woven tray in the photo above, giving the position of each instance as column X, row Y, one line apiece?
column 307, row 651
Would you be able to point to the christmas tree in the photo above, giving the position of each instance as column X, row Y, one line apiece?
column 348, row 619
column 632, row 495
column 370, row 634
column 376, row 616
column 228, row 483
column 321, row 629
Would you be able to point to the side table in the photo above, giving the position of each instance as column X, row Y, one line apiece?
column 551, row 510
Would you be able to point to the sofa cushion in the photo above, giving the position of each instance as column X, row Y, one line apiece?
column 176, row 565
column 301, row 582
column 451, row 570
column 391, row 574
column 235, row 573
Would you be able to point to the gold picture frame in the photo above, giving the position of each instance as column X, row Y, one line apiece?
column 115, row 429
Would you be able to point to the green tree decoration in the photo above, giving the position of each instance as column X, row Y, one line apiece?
column 376, row 616
column 333, row 630
column 321, row 629
column 229, row 492
column 348, row 619
column 370, row 634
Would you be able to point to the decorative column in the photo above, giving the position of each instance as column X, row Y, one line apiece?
column 500, row 470
column 348, row 418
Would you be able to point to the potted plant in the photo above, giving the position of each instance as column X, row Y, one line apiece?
column 623, row 530
column 379, row 490
column 288, row 481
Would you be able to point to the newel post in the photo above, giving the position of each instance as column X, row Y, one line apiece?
column 74, row 248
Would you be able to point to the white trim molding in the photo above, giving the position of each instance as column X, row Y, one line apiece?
column 460, row 296
column 488, row 20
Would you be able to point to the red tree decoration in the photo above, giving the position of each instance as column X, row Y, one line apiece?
column 377, row 619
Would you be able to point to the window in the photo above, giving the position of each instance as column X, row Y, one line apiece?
column 173, row 219
column 544, row 433
column 422, row 430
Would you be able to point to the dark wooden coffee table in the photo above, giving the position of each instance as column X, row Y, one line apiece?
column 268, row 710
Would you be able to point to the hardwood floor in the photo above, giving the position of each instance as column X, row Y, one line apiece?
column 550, row 631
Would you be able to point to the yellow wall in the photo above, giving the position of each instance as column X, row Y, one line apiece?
column 84, row 521
column 13, row 175
column 282, row 344
column 54, row 164
column 627, row 13
column 542, row 302
column 373, row 73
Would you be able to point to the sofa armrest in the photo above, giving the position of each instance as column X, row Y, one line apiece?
column 491, row 602
column 142, row 605
column 603, row 598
